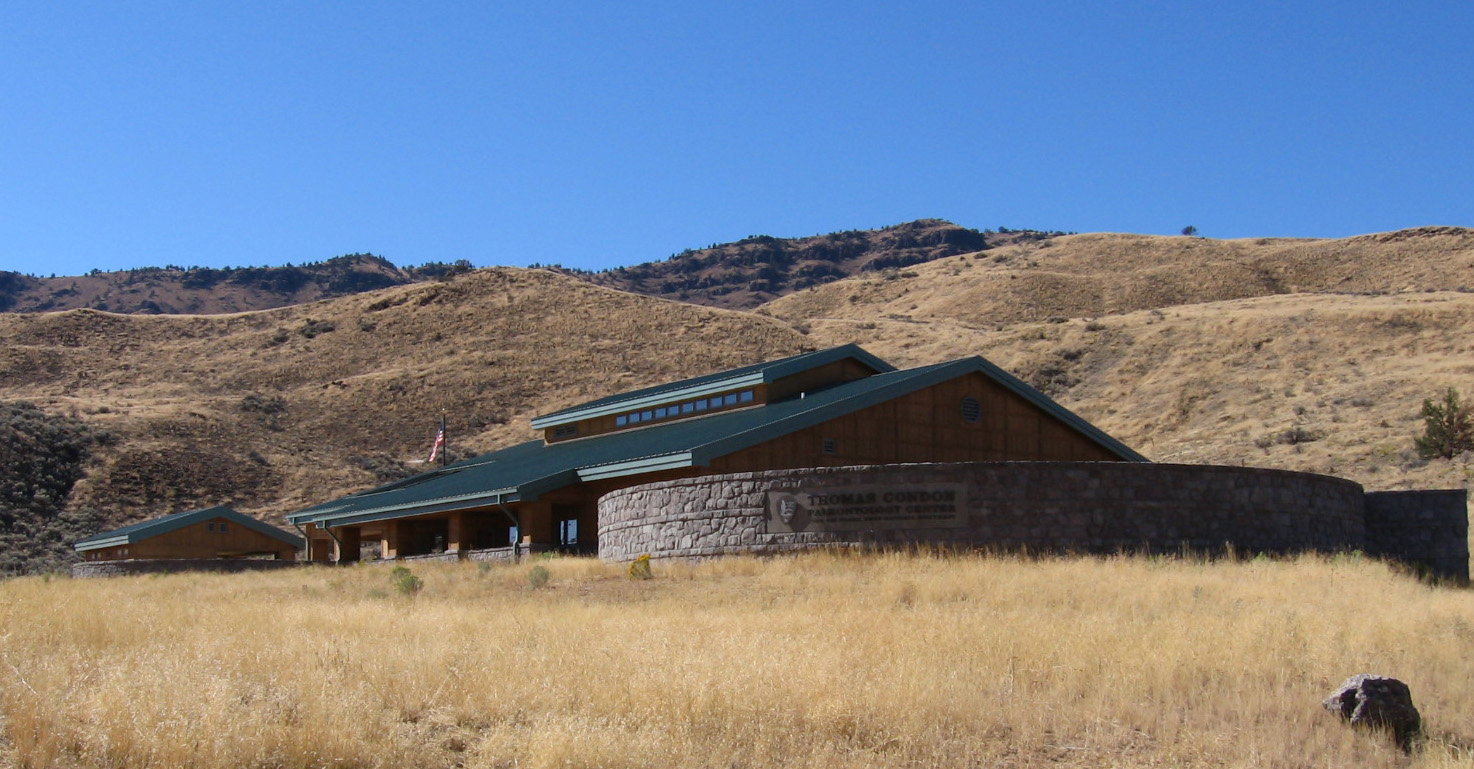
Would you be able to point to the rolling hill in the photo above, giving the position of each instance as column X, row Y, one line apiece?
column 1301, row 354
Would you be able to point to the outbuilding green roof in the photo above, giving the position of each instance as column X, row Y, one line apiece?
column 528, row 470
column 153, row 528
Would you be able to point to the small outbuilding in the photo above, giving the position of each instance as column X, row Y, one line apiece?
column 211, row 533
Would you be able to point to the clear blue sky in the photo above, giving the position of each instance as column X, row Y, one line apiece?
column 599, row 134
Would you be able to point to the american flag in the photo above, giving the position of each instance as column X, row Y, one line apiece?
column 439, row 443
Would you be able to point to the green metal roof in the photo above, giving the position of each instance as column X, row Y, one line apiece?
column 527, row 470
column 722, row 381
column 153, row 528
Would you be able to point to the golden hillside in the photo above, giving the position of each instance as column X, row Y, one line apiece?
column 1320, row 383
column 276, row 409
column 1189, row 350
column 1107, row 274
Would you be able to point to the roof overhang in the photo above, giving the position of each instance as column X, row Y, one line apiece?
column 443, row 504
column 98, row 544
column 636, row 466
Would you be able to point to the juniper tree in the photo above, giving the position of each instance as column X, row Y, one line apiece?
column 1448, row 428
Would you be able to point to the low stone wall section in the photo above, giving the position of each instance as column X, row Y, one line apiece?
column 171, row 565
column 1054, row 506
column 1425, row 529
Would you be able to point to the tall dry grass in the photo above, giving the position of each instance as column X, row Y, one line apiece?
column 815, row 661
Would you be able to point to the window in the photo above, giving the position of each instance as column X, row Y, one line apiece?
column 830, row 446
column 210, row 525
column 224, row 525
column 972, row 411
column 565, row 431
column 689, row 407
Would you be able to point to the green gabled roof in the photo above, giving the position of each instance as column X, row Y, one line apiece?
column 153, row 528
column 525, row 471
column 722, row 381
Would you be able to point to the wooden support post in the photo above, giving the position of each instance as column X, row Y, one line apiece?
column 455, row 534
column 346, row 548
column 389, row 544
column 320, row 549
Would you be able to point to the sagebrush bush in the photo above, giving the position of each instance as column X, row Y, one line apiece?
column 42, row 456
column 405, row 581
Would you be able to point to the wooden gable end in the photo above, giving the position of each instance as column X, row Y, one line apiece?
column 929, row 425
column 206, row 540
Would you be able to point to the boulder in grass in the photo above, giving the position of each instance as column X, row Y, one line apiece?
column 1378, row 701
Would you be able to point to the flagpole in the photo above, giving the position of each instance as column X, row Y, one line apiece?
column 444, row 440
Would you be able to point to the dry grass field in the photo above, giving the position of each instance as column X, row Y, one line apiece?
column 824, row 660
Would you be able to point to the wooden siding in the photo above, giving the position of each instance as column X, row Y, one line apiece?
column 927, row 426
column 838, row 372
column 199, row 541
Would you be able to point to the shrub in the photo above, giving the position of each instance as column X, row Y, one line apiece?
column 537, row 577
column 1448, row 428
column 42, row 456
column 405, row 582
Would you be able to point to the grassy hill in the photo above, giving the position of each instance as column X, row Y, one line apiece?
column 173, row 290
column 1090, row 275
column 277, row 409
column 1300, row 354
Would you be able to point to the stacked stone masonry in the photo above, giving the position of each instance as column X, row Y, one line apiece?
column 1427, row 529
column 176, row 565
column 1041, row 506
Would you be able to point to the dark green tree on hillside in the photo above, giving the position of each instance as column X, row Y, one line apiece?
column 41, row 458
column 1448, row 428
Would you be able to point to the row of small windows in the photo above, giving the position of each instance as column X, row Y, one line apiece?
column 222, row 526
column 689, row 407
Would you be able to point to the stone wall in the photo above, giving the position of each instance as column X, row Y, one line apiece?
column 1084, row 506
column 1427, row 529
column 172, row 565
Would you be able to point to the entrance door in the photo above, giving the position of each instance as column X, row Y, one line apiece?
column 565, row 519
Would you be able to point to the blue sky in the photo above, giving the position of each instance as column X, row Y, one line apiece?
column 594, row 135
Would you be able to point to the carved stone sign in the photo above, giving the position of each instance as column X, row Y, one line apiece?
column 856, row 508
